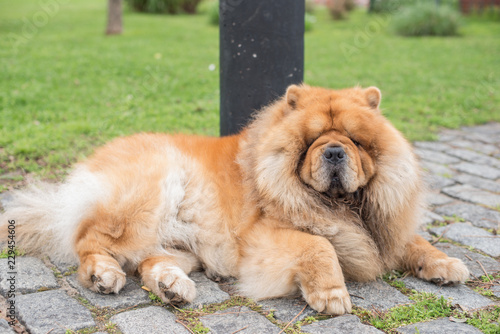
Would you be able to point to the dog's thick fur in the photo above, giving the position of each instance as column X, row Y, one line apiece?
column 319, row 188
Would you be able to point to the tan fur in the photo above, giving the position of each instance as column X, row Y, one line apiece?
column 266, row 206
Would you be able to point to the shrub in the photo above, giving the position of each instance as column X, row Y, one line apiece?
column 427, row 19
column 337, row 9
column 164, row 6
column 391, row 6
column 309, row 20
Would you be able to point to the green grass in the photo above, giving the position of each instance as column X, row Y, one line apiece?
column 69, row 87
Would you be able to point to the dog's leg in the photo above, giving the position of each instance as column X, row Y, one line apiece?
column 100, row 272
column 278, row 262
column 166, row 276
column 428, row 263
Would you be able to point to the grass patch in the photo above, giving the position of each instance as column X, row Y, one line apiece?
column 6, row 252
column 68, row 87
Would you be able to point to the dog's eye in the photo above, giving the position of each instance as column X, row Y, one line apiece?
column 356, row 143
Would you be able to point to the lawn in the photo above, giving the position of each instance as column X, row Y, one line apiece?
column 67, row 87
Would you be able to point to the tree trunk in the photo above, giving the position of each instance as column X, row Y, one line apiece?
column 114, row 17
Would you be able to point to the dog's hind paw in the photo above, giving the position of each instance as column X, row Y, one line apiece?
column 171, row 284
column 330, row 300
column 102, row 274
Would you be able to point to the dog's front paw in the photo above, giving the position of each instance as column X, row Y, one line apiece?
column 171, row 284
column 444, row 271
column 329, row 300
column 102, row 274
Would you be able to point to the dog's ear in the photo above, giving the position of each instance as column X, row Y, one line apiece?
column 373, row 97
column 292, row 95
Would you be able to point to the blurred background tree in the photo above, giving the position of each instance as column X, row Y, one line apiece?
column 115, row 25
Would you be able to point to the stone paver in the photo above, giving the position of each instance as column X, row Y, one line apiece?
column 343, row 324
column 438, row 157
column 5, row 328
column 474, row 195
column 475, row 146
column 240, row 320
column 434, row 199
column 477, row 215
column 470, row 236
column 460, row 294
column 207, row 291
column 440, row 326
column 435, row 146
column 470, row 259
column 52, row 311
column 479, row 170
column 130, row 295
column 437, row 182
column 148, row 320
column 285, row 309
column 437, row 169
column 64, row 267
column 474, row 157
column 31, row 275
column 479, row 182
column 375, row 295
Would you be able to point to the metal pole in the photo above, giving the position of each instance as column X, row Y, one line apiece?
column 261, row 53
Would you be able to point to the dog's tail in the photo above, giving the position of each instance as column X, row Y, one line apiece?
column 43, row 219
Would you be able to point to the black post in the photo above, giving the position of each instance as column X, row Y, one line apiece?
column 261, row 53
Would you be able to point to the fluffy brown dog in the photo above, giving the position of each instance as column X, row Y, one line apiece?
column 319, row 188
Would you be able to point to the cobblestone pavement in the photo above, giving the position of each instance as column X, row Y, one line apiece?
column 463, row 173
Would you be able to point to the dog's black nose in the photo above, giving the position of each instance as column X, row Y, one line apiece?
column 334, row 154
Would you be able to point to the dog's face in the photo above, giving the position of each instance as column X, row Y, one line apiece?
column 341, row 143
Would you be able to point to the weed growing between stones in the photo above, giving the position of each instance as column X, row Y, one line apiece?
column 190, row 317
column 484, row 284
column 17, row 252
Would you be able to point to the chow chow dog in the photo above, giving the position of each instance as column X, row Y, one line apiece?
column 319, row 188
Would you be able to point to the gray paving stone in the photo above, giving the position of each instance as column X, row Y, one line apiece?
column 479, row 170
column 343, row 324
column 482, row 137
column 460, row 294
column 5, row 197
column 5, row 328
column 436, row 182
column 496, row 290
column 474, row 157
column 31, row 275
column 430, row 217
column 478, row 147
column 432, row 145
column 491, row 128
column 52, row 311
column 285, row 309
column 477, row 215
column 440, row 326
column 489, row 264
column 470, row 236
column 435, row 199
column 64, row 267
column 437, row 157
column 471, row 194
column 148, row 320
column 478, row 182
column 238, row 319
column 377, row 294
column 437, row 169
column 450, row 135
column 426, row 235
column 207, row 291
column 130, row 295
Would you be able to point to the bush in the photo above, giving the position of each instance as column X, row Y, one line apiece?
column 337, row 9
column 427, row 19
column 391, row 6
column 164, row 6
